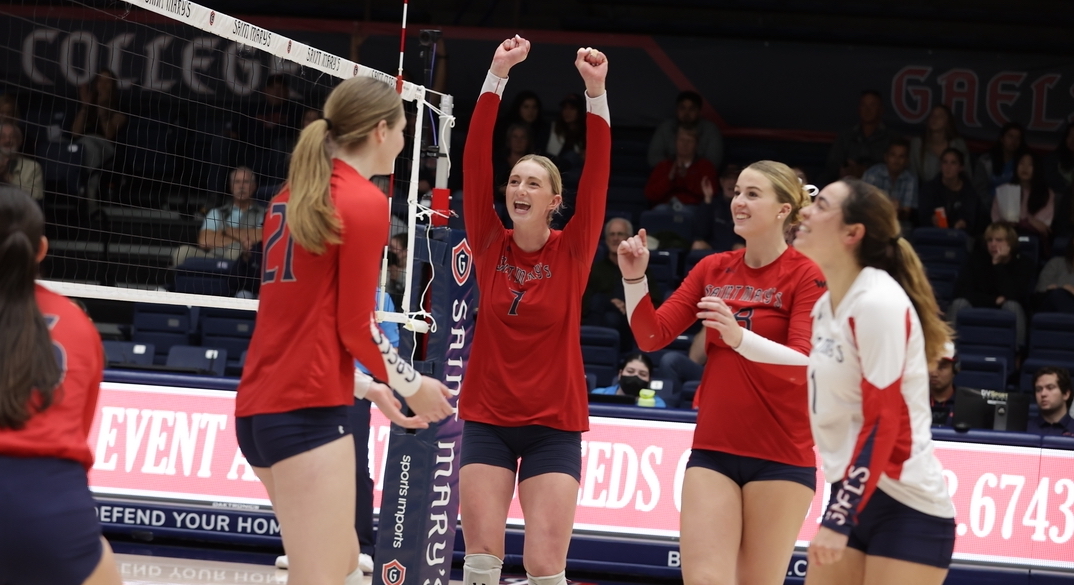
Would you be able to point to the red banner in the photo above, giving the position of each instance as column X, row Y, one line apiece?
column 1015, row 505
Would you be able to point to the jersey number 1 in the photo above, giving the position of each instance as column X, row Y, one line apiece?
column 269, row 275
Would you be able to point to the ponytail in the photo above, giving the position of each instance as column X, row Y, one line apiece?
column 882, row 247
column 351, row 113
column 311, row 216
column 27, row 360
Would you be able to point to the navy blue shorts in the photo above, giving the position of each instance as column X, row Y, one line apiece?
column 742, row 469
column 267, row 439
column 49, row 533
column 888, row 528
column 541, row 449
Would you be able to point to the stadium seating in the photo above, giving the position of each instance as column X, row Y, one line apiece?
column 209, row 360
column 230, row 330
column 600, row 353
column 987, row 333
column 1051, row 343
column 161, row 326
column 128, row 352
column 977, row 371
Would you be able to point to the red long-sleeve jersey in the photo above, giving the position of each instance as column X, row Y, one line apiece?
column 316, row 310
column 526, row 360
column 62, row 429
column 751, row 401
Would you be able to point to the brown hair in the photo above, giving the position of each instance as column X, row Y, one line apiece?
column 355, row 108
column 27, row 360
column 789, row 189
column 1062, row 379
column 1009, row 234
column 882, row 247
column 554, row 178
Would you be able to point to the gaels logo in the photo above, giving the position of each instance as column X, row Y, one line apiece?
column 288, row 46
column 461, row 259
column 393, row 573
column 212, row 17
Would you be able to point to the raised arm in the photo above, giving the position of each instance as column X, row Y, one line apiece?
column 584, row 229
column 655, row 329
column 482, row 224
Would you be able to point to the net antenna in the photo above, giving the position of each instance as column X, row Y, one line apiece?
column 244, row 49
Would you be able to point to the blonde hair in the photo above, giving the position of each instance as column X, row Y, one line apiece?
column 353, row 110
column 884, row 248
column 555, row 180
column 789, row 189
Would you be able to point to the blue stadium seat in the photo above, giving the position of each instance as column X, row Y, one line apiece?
column 1029, row 246
column 679, row 222
column 204, row 276
column 1051, row 343
column 940, row 246
column 664, row 268
column 128, row 352
column 62, row 166
column 230, row 330
column 693, row 257
column 689, row 389
column 207, row 359
column 590, row 381
column 975, row 371
column 161, row 326
column 987, row 333
column 943, row 278
column 600, row 353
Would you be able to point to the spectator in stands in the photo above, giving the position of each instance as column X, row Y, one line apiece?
column 1059, row 166
column 97, row 125
column 15, row 169
column 1055, row 287
column 895, row 178
column 927, row 150
column 397, row 253
column 681, row 181
column 684, row 367
column 1051, row 387
column 526, row 110
column 1026, row 200
column 635, row 374
column 567, row 135
column 274, row 120
column 949, row 201
column 602, row 301
column 518, row 143
column 942, row 387
column 996, row 167
column 664, row 143
column 996, row 276
column 862, row 145
column 715, row 228
column 231, row 230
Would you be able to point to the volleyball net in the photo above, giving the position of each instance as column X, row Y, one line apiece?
column 154, row 132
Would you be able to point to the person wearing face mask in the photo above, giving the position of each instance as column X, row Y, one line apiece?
column 520, row 427
column 744, row 492
column 634, row 376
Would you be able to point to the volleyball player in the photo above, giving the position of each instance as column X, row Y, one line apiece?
column 890, row 518
column 51, row 364
column 324, row 234
column 751, row 474
column 524, row 395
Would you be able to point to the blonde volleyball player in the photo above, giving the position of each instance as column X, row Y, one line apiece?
column 51, row 364
column 890, row 519
column 531, row 280
column 751, row 473
column 324, row 234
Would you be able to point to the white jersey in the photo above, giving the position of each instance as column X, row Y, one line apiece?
column 869, row 402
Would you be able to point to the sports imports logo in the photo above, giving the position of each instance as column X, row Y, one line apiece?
column 461, row 259
column 393, row 573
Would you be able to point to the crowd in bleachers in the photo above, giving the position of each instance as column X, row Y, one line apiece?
column 993, row 227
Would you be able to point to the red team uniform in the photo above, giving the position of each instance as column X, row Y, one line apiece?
column 526, row 360
column 747, row 407
column 316, row 313
column 61, row 430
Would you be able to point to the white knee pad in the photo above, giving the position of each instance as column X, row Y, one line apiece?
column 559, row 578
column 355, row 578
column 481, row 570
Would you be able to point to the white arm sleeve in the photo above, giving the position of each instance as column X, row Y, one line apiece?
column 494, row 84
column 634, row 293
column 362, row 381
column 759, row 349
column 599, row 106
column 401, row 376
